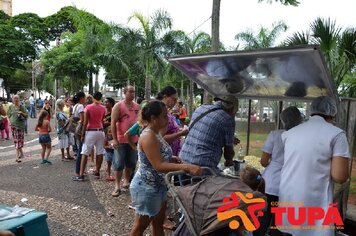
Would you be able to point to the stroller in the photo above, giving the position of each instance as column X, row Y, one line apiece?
column 201, row 201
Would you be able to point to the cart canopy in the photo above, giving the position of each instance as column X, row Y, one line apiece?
column 278, row 73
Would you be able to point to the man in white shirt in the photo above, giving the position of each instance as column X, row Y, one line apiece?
column 32, row 107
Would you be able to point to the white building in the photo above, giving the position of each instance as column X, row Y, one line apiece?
column 6, row 6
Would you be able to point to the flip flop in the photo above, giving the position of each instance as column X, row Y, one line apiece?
column 169, row 225
column 126, row 187
column 116, row 193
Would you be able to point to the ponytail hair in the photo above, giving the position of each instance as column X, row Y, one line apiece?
column 166, row 91
column 152, row 108
column 253, row 179
column 78, row 96
column 42, row 116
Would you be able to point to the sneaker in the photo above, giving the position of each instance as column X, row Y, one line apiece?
column 78, row 178
column 43, row 162
column 47, row 161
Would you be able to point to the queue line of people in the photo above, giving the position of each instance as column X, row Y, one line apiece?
column 292, row 157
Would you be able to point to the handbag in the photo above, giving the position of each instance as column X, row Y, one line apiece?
column 20, row 117
column 79, row 129
column 72, row 123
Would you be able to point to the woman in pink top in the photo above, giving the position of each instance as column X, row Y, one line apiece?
column 44, row 128
column 93, row 135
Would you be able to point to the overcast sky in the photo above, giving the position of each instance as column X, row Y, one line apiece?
column 236, row 15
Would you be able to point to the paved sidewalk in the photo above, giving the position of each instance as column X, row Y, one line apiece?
column 74, row 208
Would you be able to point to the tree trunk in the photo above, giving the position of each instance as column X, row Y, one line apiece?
column 215, row 41
column 215, row 26
column 191, row 97
column 147, row 88
column 96, row 86
column 262, row 104
column 90, row 81
column 181, row 91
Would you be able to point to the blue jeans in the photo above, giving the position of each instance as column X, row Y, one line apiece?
column 32, row 111
column 79, row 156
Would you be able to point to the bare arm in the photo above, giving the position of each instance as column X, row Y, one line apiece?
column 115, row 114
column 61, row 123
column 151, row 147
column 81, row 117
column 340, row 169
column 229, row 154
column 171, row 137
column 128, row 137
column 265, row 159
column 86, row 120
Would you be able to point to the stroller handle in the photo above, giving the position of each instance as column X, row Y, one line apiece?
column 169, row 175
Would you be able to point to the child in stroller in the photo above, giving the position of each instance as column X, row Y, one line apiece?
column 250, row 181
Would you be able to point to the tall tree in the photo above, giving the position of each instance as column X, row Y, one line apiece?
column 151, row 33
column 17, row 46
column 215, row 38
column 264, row 38
column 67, row 62
column 284, row 2
column 338, row 47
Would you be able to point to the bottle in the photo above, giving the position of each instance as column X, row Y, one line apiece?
column 240, row 155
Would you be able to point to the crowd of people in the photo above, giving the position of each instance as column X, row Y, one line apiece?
column 150, row 134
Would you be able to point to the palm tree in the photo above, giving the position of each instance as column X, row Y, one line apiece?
column 284, row 2
column 338, row 47
column 183, row 44
column 151, row 33
column 265, row 38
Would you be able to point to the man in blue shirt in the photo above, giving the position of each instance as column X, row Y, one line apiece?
column 212, row 135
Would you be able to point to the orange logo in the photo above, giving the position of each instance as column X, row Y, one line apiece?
column 253, row 205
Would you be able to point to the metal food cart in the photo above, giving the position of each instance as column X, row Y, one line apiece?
column 280, row 74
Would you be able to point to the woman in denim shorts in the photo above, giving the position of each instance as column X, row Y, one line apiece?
column 148, row 189
column 43, row 127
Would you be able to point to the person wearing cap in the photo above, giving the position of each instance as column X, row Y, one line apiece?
column 211, row 135
column 316, row 154
column 272, row 159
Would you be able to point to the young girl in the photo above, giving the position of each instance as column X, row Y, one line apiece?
column 44, row 128
column 109, row 153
